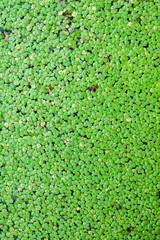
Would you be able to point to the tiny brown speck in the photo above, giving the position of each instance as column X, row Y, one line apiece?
column 93, row 88
column 130, row 229
column 119, row 207
column 49, row 88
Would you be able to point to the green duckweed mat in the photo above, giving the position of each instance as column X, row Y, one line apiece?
column 79, row 114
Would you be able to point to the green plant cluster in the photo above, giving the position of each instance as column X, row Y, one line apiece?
column 79, row 118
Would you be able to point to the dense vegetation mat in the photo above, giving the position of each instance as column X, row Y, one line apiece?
column 79, row 119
